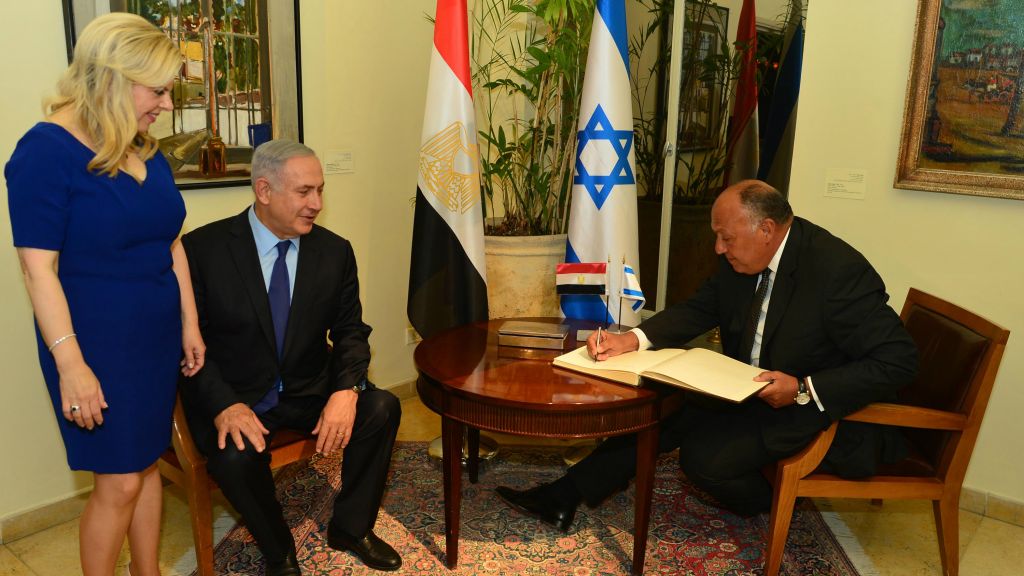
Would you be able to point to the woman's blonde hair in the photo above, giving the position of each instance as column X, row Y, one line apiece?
column 114, row 52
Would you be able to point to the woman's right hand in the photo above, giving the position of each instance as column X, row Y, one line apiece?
column 81, row 396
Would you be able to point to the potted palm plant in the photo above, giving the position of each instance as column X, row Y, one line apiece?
column 528, row 61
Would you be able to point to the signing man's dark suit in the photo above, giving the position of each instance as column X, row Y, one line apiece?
column 827, row 321
column 297, row 386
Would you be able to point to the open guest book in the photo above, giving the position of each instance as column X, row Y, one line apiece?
column 696, row 369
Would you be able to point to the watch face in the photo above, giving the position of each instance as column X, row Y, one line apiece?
column 803, row 398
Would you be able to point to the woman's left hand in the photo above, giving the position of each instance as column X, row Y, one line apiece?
column 194, row 348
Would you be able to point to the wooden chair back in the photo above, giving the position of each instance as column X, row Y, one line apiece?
column 940, row 414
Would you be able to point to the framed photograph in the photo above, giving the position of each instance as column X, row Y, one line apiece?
column 706, row 53
column 963, row 125
column 239, row 83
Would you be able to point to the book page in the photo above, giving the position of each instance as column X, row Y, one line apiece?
column 623, row 368
column 710, row 372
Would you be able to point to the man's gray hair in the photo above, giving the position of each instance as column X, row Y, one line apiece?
column 270, row 156
column 762, row 201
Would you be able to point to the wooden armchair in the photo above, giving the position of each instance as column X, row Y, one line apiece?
column 940, row 414
column 184, row 465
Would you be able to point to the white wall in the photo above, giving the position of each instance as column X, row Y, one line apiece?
column 961, row 248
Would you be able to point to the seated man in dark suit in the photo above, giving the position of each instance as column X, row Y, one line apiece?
column 271, row 289
column 792, row 299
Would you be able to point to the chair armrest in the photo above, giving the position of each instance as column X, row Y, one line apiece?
column 181, row 439
column 908, row 416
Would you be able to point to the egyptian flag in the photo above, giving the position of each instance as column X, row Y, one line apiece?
column 743, row 145
column 602, row 219
column 582, row 278
column 447, row 275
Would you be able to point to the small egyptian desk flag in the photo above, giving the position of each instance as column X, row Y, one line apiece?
column 581, row 278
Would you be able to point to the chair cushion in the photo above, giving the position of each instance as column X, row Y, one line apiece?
column 949, row 356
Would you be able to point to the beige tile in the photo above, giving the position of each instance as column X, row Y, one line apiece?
column 11, row 566
column 899, row 537
column 50, row 552
column 996, row 550
column 177, row 546
column 44, row 517
column 419, row 423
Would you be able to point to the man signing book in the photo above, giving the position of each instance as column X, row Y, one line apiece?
column 792, row 299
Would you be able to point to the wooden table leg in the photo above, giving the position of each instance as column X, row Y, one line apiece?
column 473, row 453
column 451, row 462
column 646, row 454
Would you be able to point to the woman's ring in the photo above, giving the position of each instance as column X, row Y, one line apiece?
column 74, row 408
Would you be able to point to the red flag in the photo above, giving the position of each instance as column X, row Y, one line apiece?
column 742, row 143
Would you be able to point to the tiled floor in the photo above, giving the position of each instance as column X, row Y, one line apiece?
column 898, row 538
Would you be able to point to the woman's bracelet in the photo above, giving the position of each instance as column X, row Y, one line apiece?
column 60, row 341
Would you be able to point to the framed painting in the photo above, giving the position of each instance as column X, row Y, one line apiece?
column 963, row 124
column 239, row 83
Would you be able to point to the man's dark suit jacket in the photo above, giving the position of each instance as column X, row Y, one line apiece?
column 828, row 318
column 234, row 316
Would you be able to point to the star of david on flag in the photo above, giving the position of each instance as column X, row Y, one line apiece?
column 590, row 152
column 602, row 220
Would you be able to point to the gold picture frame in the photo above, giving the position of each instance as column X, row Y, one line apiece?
column 963, row 123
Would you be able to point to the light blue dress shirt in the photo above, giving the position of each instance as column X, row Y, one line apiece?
column 266, row 248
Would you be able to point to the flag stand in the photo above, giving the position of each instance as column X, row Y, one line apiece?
column 488, row 449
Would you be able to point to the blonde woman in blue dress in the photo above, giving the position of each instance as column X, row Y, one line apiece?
column 95, row 216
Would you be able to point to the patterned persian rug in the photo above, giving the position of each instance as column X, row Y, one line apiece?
column 688, row 534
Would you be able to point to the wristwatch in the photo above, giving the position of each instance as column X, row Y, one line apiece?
column 360, row 387
column 803, row 395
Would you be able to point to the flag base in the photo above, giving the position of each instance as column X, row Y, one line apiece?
column 618, row 329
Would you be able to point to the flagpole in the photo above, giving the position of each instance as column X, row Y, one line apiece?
column 608, row 293
column 622, row 290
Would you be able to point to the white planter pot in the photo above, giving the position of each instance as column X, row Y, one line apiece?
column 521, row 274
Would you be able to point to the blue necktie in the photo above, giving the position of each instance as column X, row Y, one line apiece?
column 280, row 303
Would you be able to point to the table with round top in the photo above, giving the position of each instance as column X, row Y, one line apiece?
column 474, row 385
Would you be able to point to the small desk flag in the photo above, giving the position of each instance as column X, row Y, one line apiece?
column 631, row 288
column 582, row 278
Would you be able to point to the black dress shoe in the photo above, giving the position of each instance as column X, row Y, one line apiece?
column 289, row 566
column 373, row 551
column 537, row 502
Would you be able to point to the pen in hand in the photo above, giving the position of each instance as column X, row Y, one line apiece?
column 597, row 344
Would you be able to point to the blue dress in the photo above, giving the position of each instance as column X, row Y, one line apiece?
column 114, row 237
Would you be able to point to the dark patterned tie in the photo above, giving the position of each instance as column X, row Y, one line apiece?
column 279, row 295
column 747, row 341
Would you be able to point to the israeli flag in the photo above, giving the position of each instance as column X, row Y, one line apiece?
column 631, row 288
column 602, row 220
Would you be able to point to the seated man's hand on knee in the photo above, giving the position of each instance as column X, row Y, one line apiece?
column 334, row 429
column 238, row 421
